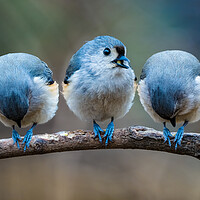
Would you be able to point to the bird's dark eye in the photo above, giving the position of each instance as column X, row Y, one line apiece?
column 106, row 51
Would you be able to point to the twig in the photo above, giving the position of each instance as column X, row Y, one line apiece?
column 137, row 137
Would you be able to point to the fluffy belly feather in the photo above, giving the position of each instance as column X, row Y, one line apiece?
column 46, row 107
column 99, row 105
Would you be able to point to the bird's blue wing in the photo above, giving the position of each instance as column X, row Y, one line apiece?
column 47, row 74
column 74, row 66
column 143, row 74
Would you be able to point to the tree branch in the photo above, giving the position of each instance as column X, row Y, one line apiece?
column 137, row 137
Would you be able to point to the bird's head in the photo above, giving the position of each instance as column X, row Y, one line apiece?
column 104, row 53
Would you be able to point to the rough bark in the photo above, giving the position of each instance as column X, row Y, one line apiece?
column 137, row 137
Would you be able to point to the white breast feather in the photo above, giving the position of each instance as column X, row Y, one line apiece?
column 102, row 100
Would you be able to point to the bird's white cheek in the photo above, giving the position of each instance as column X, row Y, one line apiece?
column 111, row 65
column 100, row 61
column 197, row 81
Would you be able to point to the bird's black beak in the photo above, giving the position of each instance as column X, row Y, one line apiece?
column 173, row 121
column 119, row 61
column 19, row 123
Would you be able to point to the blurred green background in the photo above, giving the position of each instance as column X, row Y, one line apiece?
column 54, row 30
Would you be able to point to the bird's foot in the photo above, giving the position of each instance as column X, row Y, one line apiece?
column 16, row 137
column 167, row 134
column 97, row 131
column 109, row 132
column 178, row 137
column 27, row 139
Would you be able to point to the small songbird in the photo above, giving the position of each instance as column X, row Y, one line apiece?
column 28, row 93
column 169, row 90
column 99, row 83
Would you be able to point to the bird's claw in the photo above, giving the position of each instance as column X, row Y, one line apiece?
column 16, row 137
column 178, row 137
column 97, row 129
column 27, row 139
column 109, row 133
column 167, row 134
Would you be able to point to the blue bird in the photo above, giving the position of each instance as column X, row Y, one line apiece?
column 28, row 93
column 99, row 83
column 169, row 90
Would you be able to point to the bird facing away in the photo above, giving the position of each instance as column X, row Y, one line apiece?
column 169, row 90
column 28, row 93
column 99, row 83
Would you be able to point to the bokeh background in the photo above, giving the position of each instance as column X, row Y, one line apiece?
column 54, row 30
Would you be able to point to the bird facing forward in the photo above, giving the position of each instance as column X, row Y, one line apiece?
column 28, row 93
column 169, row 90
column 99, row 83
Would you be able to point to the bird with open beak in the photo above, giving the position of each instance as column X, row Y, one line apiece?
column 99, row 83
